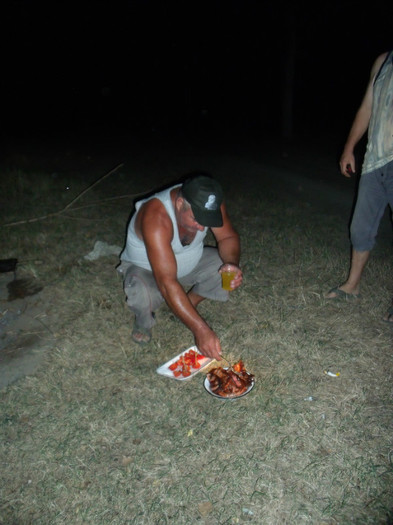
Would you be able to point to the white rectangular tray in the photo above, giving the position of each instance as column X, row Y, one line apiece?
column 164, row 369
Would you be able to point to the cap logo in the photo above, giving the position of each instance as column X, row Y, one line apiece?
column 211, row 203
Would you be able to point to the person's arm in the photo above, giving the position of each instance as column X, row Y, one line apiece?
column 360, row 123
column 157, row 231
column 228, row 245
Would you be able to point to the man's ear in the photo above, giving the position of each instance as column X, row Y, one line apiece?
column 179, row 202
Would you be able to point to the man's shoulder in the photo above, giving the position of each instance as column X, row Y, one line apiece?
column 152, row 219
column 154, row 211
column 380, row 60
column 378, row 65
column 154, row 207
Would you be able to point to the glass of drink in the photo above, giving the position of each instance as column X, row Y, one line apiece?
column 227, row 277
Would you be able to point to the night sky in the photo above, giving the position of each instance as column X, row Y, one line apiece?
column 148, row 66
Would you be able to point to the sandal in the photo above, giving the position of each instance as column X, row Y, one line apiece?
column 340, row 294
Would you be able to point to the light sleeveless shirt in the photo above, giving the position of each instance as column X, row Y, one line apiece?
column 380, row 130
column 187, row 257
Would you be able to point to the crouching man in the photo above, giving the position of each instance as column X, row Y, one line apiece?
column 165, row 255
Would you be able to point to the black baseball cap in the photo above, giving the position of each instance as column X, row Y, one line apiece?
column 205, row 196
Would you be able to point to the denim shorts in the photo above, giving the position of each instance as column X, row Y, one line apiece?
column 375, row 193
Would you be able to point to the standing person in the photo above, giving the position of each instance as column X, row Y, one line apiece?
column 375, row 114
column 165, row 253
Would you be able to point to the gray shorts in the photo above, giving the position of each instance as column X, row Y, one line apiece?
column 375, row 193
column 143, row 296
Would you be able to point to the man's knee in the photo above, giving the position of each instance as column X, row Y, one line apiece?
column 136, row 293
column 141, row 290
column 205, row 279
column 362, row 238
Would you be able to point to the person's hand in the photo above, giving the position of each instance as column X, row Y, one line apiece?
column 208, row 343
column 347, row 164
column 238, row 279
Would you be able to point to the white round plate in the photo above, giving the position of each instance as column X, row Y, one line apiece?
column 206, row 384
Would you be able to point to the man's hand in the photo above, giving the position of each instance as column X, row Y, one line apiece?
column 347, row 164
column 208, row 343
column 238, row 279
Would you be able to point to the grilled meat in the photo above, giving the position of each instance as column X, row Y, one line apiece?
column 230, row 382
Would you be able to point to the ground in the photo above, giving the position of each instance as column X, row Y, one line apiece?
column 306, row 170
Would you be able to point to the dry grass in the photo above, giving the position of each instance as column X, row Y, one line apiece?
column 96, row 436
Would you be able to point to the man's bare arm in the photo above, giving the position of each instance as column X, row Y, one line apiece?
column 228, row 244
column 361, row 122
column 157, row 232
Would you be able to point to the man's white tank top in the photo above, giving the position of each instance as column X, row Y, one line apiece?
column 187, row 257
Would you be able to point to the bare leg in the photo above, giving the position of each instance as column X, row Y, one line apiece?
column 352, row 284
column 194, row 298
column 141, row 336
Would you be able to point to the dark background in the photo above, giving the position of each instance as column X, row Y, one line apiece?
column 187, row 69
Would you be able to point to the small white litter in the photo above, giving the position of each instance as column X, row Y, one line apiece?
column 102, row 249
column 331, row 374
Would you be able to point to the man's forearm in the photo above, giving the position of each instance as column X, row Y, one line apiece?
column 178, row 301
column 358, row 129
column 229, row 250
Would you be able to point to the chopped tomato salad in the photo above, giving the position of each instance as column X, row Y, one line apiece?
column 186, row 363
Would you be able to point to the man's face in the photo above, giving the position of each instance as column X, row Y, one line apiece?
column 185, row 217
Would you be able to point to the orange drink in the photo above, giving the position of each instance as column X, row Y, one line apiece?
column 227, row 277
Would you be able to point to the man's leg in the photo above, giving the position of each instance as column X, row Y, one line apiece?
column 352, row 284
column 389, row 185
column 205, row 279
column 143, row 298
column 370, row 206
column 195, row 298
